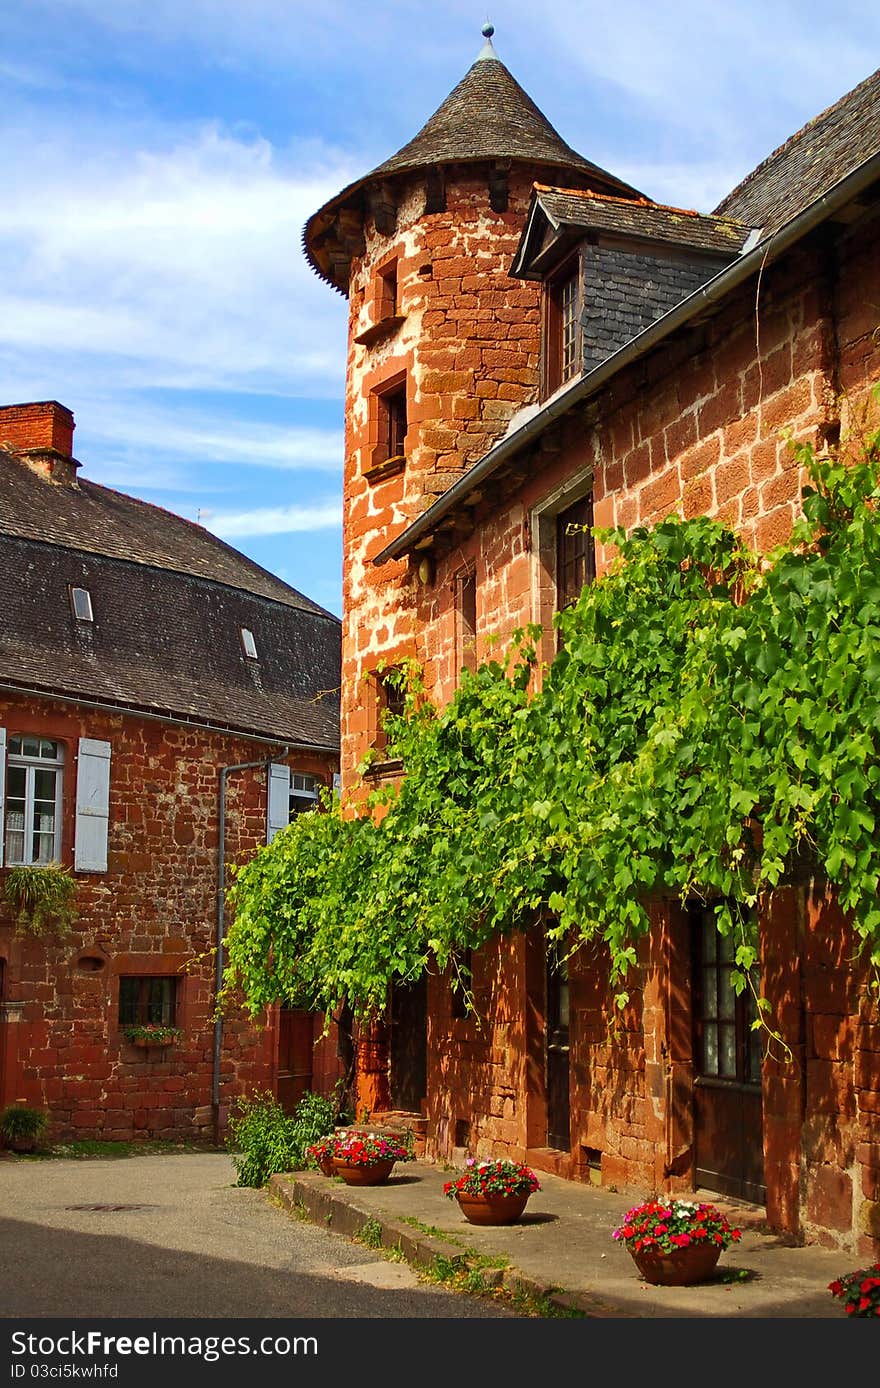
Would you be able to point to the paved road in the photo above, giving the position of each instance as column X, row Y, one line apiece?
column 188, row 1244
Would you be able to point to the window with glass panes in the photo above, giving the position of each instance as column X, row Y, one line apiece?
column 575, row 551
column 303, row 793
column 33, row 800
column 568, row 317
column 145, row 1000
column 726, row 1046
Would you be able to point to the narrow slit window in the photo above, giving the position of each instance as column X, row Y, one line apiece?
column 81, row 601
column 393, row 421
column 248, row 644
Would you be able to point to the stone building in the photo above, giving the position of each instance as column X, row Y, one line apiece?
column 533, row 343
column 165, row 706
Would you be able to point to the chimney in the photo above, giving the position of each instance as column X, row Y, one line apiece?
column 41, row 435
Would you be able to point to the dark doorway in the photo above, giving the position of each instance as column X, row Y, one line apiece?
column 296, row 1042
column 558, row 1067
column 728, row 1111
column 409, row 1045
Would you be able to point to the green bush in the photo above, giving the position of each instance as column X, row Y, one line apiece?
column 21, row 1121
column 263, row 1139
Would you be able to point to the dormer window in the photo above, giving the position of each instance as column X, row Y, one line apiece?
column 562, row 327
column 248, row 644
column 81, row 602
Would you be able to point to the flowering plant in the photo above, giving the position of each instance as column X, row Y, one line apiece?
column 152, row 1031
column 662, row 1226
column 494, row 1176
column 361, row 1149
column 859, row 1291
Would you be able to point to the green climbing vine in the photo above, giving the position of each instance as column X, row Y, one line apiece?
column 709, row 727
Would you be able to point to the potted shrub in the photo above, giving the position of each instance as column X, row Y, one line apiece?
column 21, row 1126
column 362, row 1159
column 151, row 1034
column 493, row 1191
column 859, row 1291
column 674, row 1243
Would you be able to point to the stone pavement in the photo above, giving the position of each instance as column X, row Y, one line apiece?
column 562, row 1246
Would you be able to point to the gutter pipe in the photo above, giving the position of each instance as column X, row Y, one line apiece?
column 714, row 289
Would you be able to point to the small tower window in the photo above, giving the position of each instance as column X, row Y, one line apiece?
column 386, row 295
column 393, row 420
column 81, row 602
column 248, row 644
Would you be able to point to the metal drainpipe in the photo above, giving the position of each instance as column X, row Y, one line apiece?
column 223, row 772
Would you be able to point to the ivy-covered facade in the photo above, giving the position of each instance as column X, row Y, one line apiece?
column 597, row 850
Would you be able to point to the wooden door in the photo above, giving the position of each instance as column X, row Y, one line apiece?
column 728, row 1110
column 296, row 1039
column 409, row 1045
column 557, row 1055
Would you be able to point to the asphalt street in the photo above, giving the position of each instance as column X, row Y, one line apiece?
column 172, row 1236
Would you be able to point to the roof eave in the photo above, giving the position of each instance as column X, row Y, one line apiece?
column 728, row 279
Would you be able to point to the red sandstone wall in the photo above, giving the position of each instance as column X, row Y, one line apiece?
column 469, row 345
column 153, row 911
column 698, row 429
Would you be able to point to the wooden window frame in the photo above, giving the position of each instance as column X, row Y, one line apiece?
column 388, row 453
column 556, row 373
column 581, row 548
column 465, row 621
column 144, row 1009
column 18, row 761
column 739, row 1015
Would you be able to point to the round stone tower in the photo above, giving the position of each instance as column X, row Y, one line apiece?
column 443, row 346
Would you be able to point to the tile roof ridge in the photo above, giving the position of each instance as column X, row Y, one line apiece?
column 798, row 135
column 637, row 202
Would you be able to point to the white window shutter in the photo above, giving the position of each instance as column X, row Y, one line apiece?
column 279, row 799
column 92, row 805
column 2, row 792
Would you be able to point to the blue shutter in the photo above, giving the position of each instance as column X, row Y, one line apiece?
column 279, row 799
column 92, row 805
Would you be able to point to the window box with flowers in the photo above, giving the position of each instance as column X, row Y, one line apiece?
column 674, row 1243
column 493, row 1191
column 360, row 1158
column 151, row 1034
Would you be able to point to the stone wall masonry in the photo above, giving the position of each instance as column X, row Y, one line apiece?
column 468, row 347
column 699, row 428
column 153, row 912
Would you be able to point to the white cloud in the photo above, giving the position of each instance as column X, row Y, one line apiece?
column 277, row 520
column 179, row 261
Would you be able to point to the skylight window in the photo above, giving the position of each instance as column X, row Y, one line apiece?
column 81, row 601
column 248, row 643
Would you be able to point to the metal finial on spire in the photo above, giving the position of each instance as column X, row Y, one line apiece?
column 487, row 51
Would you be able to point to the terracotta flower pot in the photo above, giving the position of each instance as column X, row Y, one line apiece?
column 22, row 1143
column 150, row 1042
column 361, row 1173
column 684, row 1266
column 491, row 1209
column 325, row 1166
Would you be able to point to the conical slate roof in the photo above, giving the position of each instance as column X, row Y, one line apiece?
column 486, row 117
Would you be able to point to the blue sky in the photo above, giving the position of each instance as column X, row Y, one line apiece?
column 160, row 159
